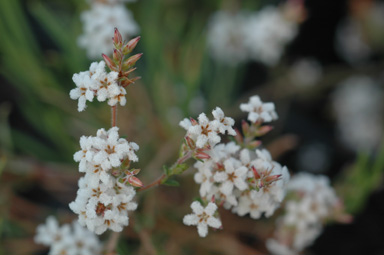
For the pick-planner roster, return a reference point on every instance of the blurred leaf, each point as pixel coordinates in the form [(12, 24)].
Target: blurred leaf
[(171, 182)]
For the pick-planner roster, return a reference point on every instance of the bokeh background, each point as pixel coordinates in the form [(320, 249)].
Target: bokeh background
[(327, 85)]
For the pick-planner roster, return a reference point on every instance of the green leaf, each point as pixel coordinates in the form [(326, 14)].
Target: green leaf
[(166, 170), (179, 169), (171, 182)]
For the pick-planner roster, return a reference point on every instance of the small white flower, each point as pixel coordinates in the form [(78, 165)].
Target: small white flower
[(233, 175), (204, 132), (259, 111), (202, 218), (204, 178), (99, 21), (223, 123)]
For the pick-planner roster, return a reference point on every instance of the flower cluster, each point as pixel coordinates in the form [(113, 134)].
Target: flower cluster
[(245, 180), (205, 132), (99, 21), (261, 36), (313, 202), (105, 193), (358, 107), (67, 239), (97, 83)]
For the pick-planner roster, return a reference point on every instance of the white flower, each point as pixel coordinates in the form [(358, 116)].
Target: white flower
[(223, 123), (267, 33), (204, 132), (259, 111), (234, 175), (67, 239), (97, 82), (51, 232), (305, 72), (99, 21), (204, 178), (225, 37), (202, 218)]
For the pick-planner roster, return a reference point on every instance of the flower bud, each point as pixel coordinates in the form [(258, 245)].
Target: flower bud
[(255, 173), (263, 130), (117, 39), (117, 55), (131, 61), (111, 65), (135, 182), (191, 144), (130, 45), (202, 155), (245, 127)]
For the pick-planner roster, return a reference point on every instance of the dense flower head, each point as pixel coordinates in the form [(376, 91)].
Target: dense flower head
[(202, 218), (104, 198), (97, 83), (99, 21), (67, 239), (313, 202), (259, 111), (242, 180), (235, 37), (205, 132)]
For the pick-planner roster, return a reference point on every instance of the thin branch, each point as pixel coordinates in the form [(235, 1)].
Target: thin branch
[(114, 115), (155, 183)]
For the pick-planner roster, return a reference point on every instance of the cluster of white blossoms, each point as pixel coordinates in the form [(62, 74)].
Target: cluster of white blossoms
[(243, 180), (100, 20), (260, 36), (358, 107), (259, 111), (105, 196), (99, 84), (248, 182), (67, 239), (312, 202), (205, 132)]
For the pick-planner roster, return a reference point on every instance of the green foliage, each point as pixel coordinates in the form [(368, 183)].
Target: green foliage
[(359, 181)]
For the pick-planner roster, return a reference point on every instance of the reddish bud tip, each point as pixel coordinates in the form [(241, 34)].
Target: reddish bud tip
[(111, 65), (213, 199), (117, 38), (193, 121), (131, 45), (202, 155), (255, 173), (134, 181)]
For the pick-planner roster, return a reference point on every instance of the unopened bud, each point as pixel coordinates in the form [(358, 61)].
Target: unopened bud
[(135, 171), (255, 173), (193, 121), (131, 61), (117, 39), (202, 155), (254, 144), (213, 199), (134, 181), (272, 178), (245, 127), (111, 65), (263, 130), (191, 144), (117, 55), (130, 45), (238, 137)]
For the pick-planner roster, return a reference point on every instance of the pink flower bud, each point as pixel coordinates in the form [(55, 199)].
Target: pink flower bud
[(131, 61), (245, 127), (202, 155), (134, 181), (191, 144), (263, 130), (130, 45), (272, 178), (193, 121), (117, 55), (117, 39), (255, 173), (109, 62)]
